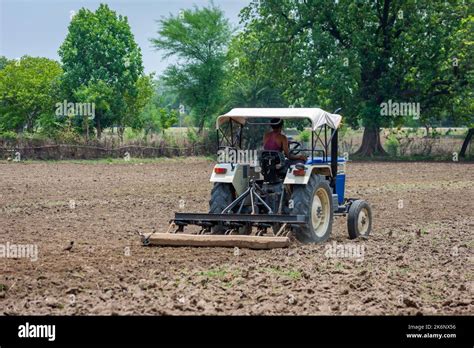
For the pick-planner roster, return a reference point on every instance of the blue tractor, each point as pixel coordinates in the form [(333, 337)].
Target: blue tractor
[(259, 202)]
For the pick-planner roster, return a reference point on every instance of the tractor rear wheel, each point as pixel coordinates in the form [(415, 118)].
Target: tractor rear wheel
[(314, 200), (221, 196), (359, 219)]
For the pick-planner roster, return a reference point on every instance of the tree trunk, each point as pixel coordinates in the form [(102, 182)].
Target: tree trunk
[(427, 127), (202, 121), (201, 126), (466, 142), (29, 123), (371, 144), (85, 123), (120, 131), (99, 129)]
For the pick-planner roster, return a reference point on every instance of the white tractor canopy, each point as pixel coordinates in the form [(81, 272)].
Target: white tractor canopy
[(318, 117)]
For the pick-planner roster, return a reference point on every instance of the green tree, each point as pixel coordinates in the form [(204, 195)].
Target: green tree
[(154, 118), (198, 38), (102, 95), (149, 119), (3, 62), (100, 53), (463, 68), (442, 78), (356, 54), (253, 93), (136, 103), (160, 113), (246, 85), (167, 118), (28, 90)]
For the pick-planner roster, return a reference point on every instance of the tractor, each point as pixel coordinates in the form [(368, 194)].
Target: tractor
[(261, 201)]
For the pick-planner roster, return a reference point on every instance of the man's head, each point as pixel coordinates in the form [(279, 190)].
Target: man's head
[(276, 123)]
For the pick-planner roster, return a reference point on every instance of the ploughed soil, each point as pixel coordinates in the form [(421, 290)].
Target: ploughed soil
[(418, 259)]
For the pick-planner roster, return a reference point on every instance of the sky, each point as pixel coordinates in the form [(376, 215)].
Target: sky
[(38, 27)]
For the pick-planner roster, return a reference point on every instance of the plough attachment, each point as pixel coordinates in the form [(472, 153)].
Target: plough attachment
[(203, 240), (232, 222)]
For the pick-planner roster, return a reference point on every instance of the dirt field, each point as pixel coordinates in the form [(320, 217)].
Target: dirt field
[(418, 259)]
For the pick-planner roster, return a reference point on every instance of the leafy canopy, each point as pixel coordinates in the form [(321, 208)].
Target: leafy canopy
[(198, 38), (358, 54), (102, 63), (28, 90)]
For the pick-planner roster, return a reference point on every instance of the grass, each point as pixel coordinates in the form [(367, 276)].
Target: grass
[(429, 227), (350, 134), (52, 204), (403, 270), (115, 161), (293, 274), (219, 273), (214, 273), (411, 158), (227, 276), (213, 158)]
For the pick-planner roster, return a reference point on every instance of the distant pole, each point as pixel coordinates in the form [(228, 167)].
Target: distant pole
[(182, 111)]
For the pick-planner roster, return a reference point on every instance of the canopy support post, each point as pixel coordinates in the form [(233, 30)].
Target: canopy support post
[(334, 158)]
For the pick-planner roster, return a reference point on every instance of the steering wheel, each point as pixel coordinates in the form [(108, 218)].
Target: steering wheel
[(294, 147)]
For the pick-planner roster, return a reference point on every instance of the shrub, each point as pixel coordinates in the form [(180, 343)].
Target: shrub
[(8, 136), (392, 145), (68, 136), (304, 136), (132, 134), (192, 135)]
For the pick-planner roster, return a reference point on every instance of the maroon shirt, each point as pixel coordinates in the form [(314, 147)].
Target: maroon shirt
[(272, 143)]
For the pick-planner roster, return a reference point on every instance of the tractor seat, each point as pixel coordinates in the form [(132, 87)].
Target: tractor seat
[(274, 166)]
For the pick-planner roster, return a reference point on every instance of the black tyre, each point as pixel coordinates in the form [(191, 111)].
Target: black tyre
[(315, 200), (222, 195), (359, 219)]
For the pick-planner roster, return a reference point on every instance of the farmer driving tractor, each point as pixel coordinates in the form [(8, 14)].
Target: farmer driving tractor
[(275, 140)]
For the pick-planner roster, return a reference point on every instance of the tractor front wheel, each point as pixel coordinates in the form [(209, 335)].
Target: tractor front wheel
[(359, 219), (314, 200)]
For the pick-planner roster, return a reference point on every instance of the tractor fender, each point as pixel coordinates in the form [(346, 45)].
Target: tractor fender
[(321, 169), (236, 174)]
